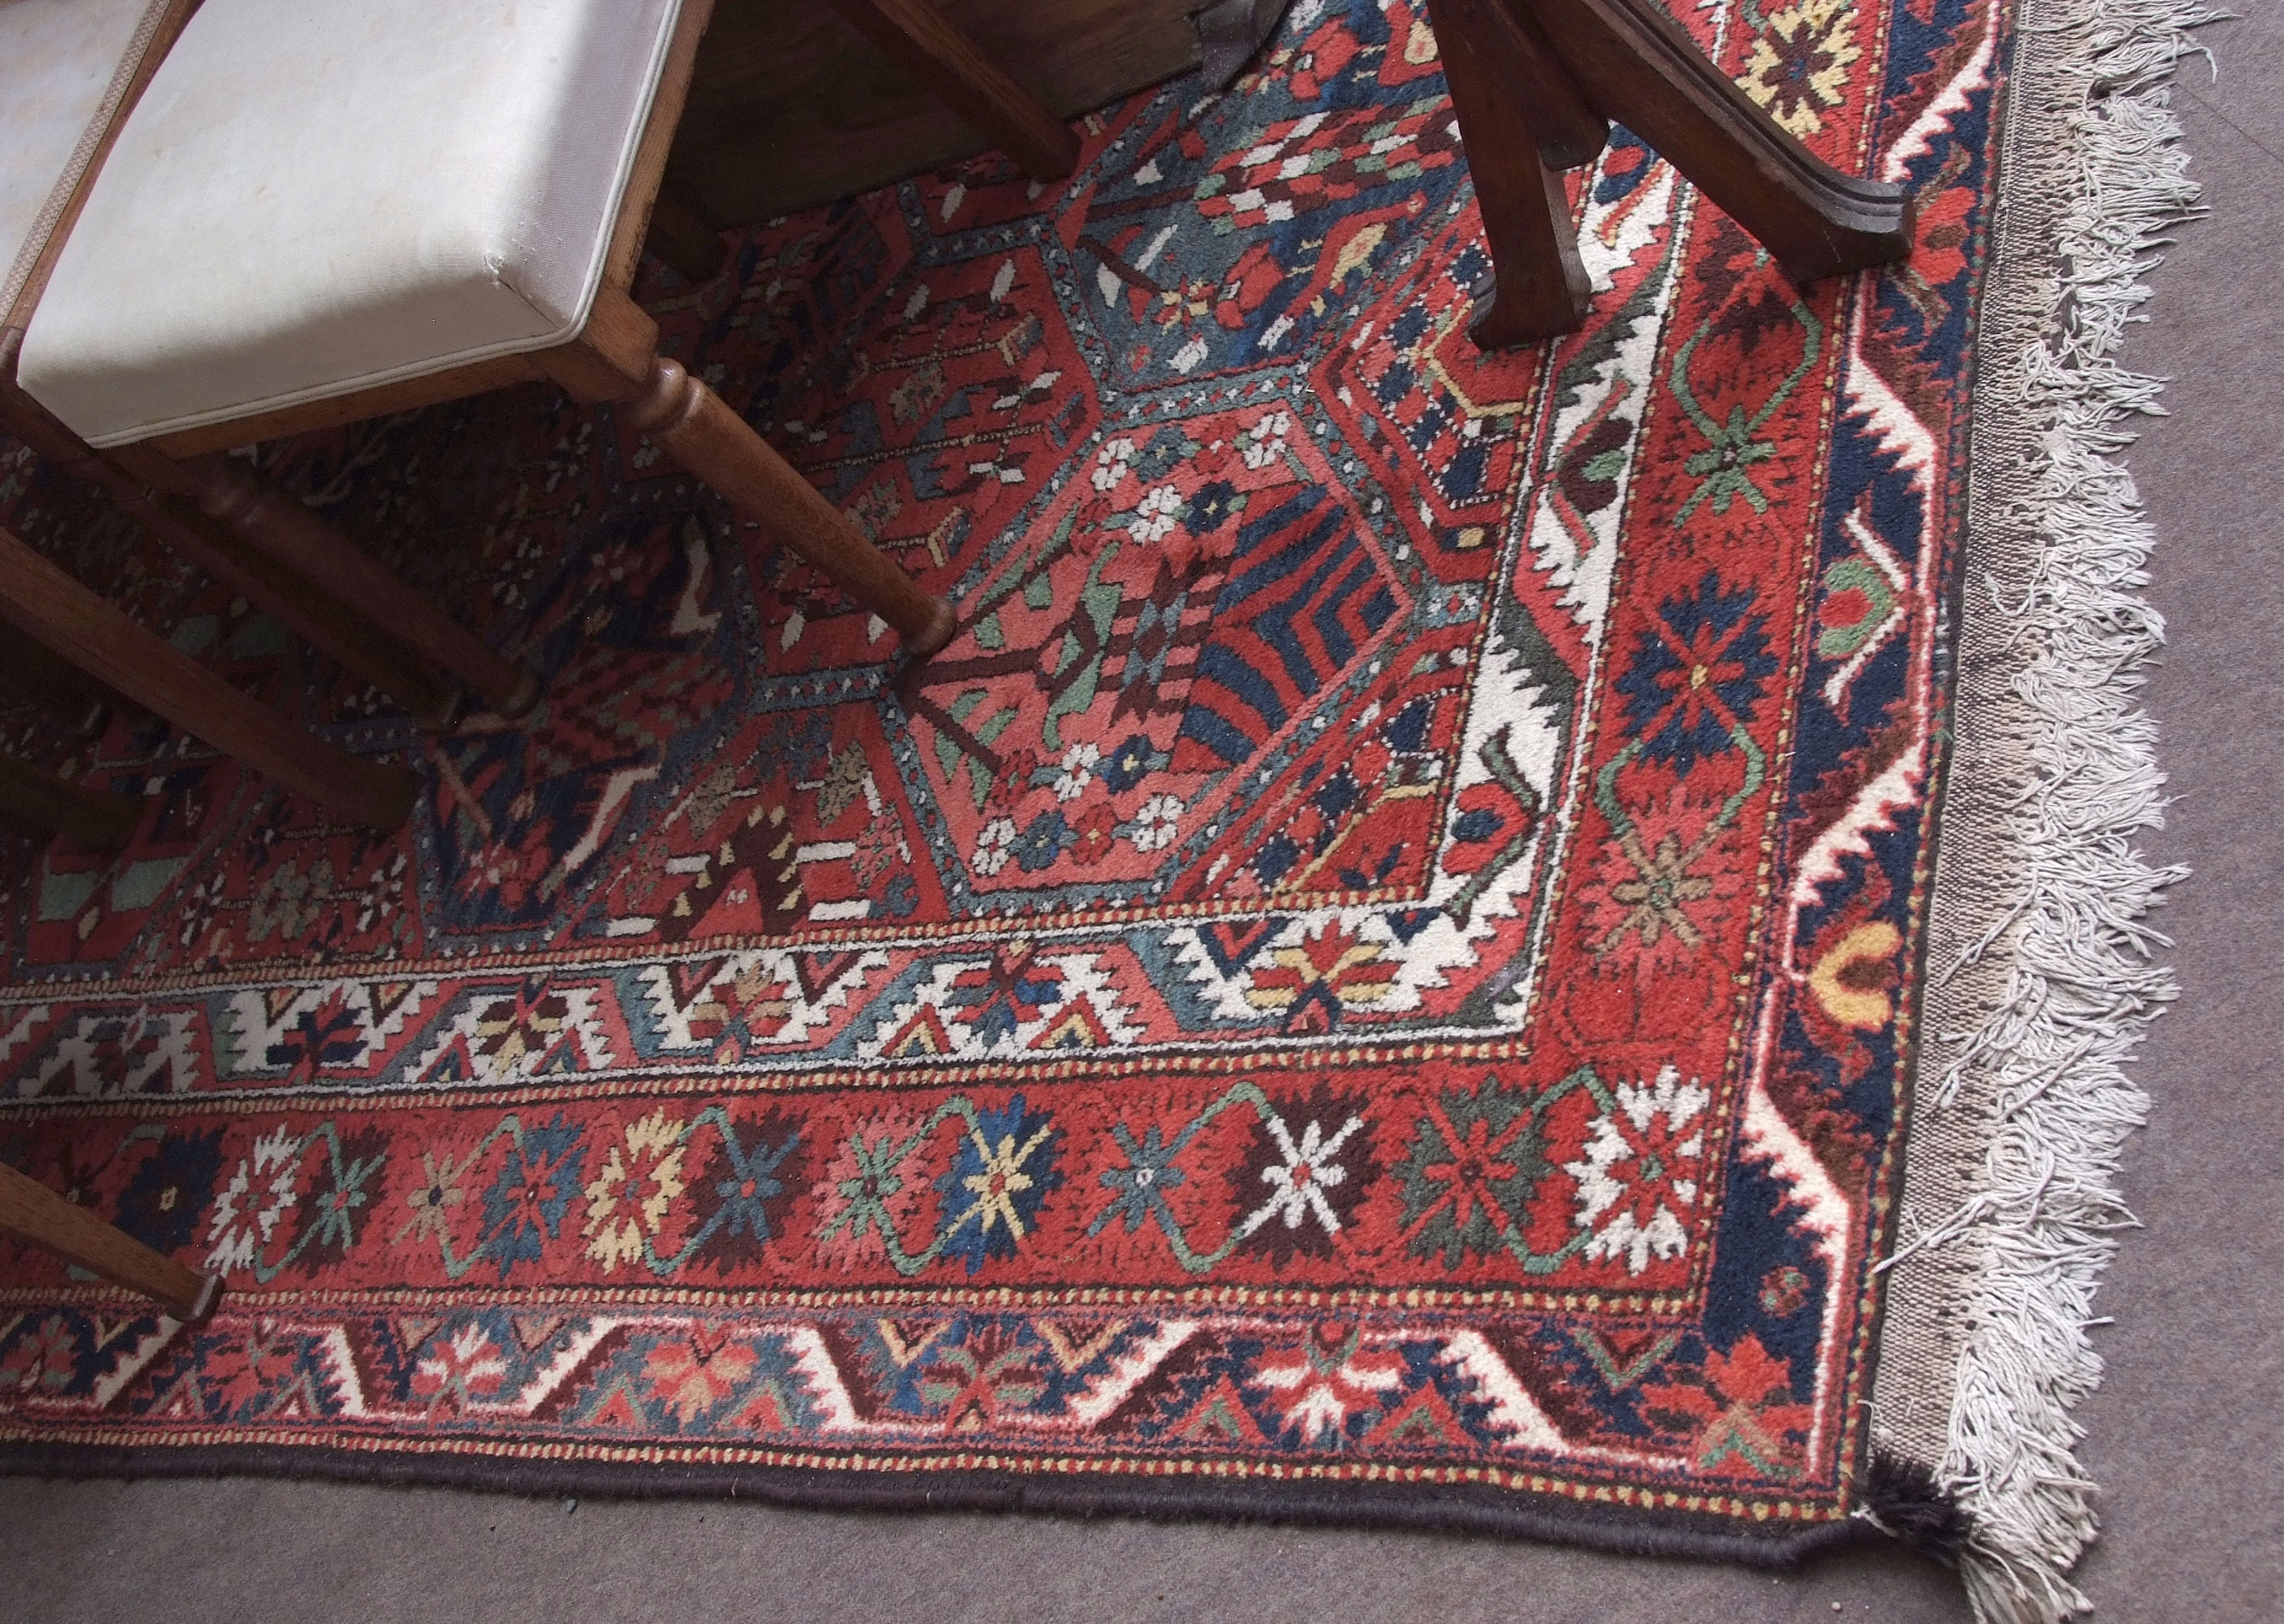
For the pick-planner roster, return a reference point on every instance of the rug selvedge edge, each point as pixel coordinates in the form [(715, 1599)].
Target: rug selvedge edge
[(1086, 1491)]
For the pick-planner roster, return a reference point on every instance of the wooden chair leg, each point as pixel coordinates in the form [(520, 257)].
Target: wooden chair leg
[(320, 618), (1515, 62), (42, 806), (615, 358), (916, 37), (42, 602), (1631, 62), (1538, 287), (692, 424), (32, 1212), (287, 532)]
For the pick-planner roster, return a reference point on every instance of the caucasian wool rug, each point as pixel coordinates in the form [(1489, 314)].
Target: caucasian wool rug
[(1399, 967)]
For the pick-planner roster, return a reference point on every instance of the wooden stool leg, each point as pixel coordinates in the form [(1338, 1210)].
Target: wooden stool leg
[(32, 1212), (293, 536), (42, 806), (1634, 64), (1538, 287), (41, 602), (698, 431), (915, 35)]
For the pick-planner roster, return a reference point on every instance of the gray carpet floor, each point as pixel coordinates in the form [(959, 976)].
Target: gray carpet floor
[(2184, 1438)]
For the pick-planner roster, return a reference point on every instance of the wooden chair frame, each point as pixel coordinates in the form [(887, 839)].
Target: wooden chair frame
[(48, 606), (1535, 84), (613, 359)]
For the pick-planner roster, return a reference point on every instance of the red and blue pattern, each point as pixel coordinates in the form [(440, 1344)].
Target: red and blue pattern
[(1379, 954)]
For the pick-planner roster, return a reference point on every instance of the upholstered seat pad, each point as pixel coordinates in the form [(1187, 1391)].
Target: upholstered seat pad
[(63, 66), (313, 198)]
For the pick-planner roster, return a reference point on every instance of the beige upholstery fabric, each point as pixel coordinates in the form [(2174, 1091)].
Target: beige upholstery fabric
[(316, 196), (63, 65)]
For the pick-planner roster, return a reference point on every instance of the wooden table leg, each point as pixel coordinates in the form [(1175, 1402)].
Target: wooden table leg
[(917, 37), (1631, 62), (32, 1212), (43, 806), (1538, 286), (42, 602)]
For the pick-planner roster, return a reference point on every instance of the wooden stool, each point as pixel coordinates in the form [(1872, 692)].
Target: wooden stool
[(319, 214), (1536, 83), (70, 71)]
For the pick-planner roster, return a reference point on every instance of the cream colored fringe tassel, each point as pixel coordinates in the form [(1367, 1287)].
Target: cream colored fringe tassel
[(2091, 125)]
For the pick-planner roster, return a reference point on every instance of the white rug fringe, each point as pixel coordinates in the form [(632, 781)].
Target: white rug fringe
[(2082, 989)]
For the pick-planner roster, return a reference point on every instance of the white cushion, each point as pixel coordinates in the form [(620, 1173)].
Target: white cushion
[(317, 196), (63, 66)]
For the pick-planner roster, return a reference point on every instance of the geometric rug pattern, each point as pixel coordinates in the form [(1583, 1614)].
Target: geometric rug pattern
[(1379, 962)]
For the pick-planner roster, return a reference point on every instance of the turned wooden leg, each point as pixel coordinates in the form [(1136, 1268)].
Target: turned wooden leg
[(615, 358), (286, 531), (41, 602), (915, 35), (692, 424), (42, 806), (32, 1212), (1538, 287), (1631, 62)]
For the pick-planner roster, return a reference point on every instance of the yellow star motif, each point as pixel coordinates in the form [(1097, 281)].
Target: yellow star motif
[(1002, 1178)]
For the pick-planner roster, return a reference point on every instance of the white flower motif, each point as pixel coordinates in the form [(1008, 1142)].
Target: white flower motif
[(245, 1217), (1641, 1162), (1077, 773), (1110, 463), (994, 845), (1297, 1188), (1264, 442), (1161, 510), (1157, 823)]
